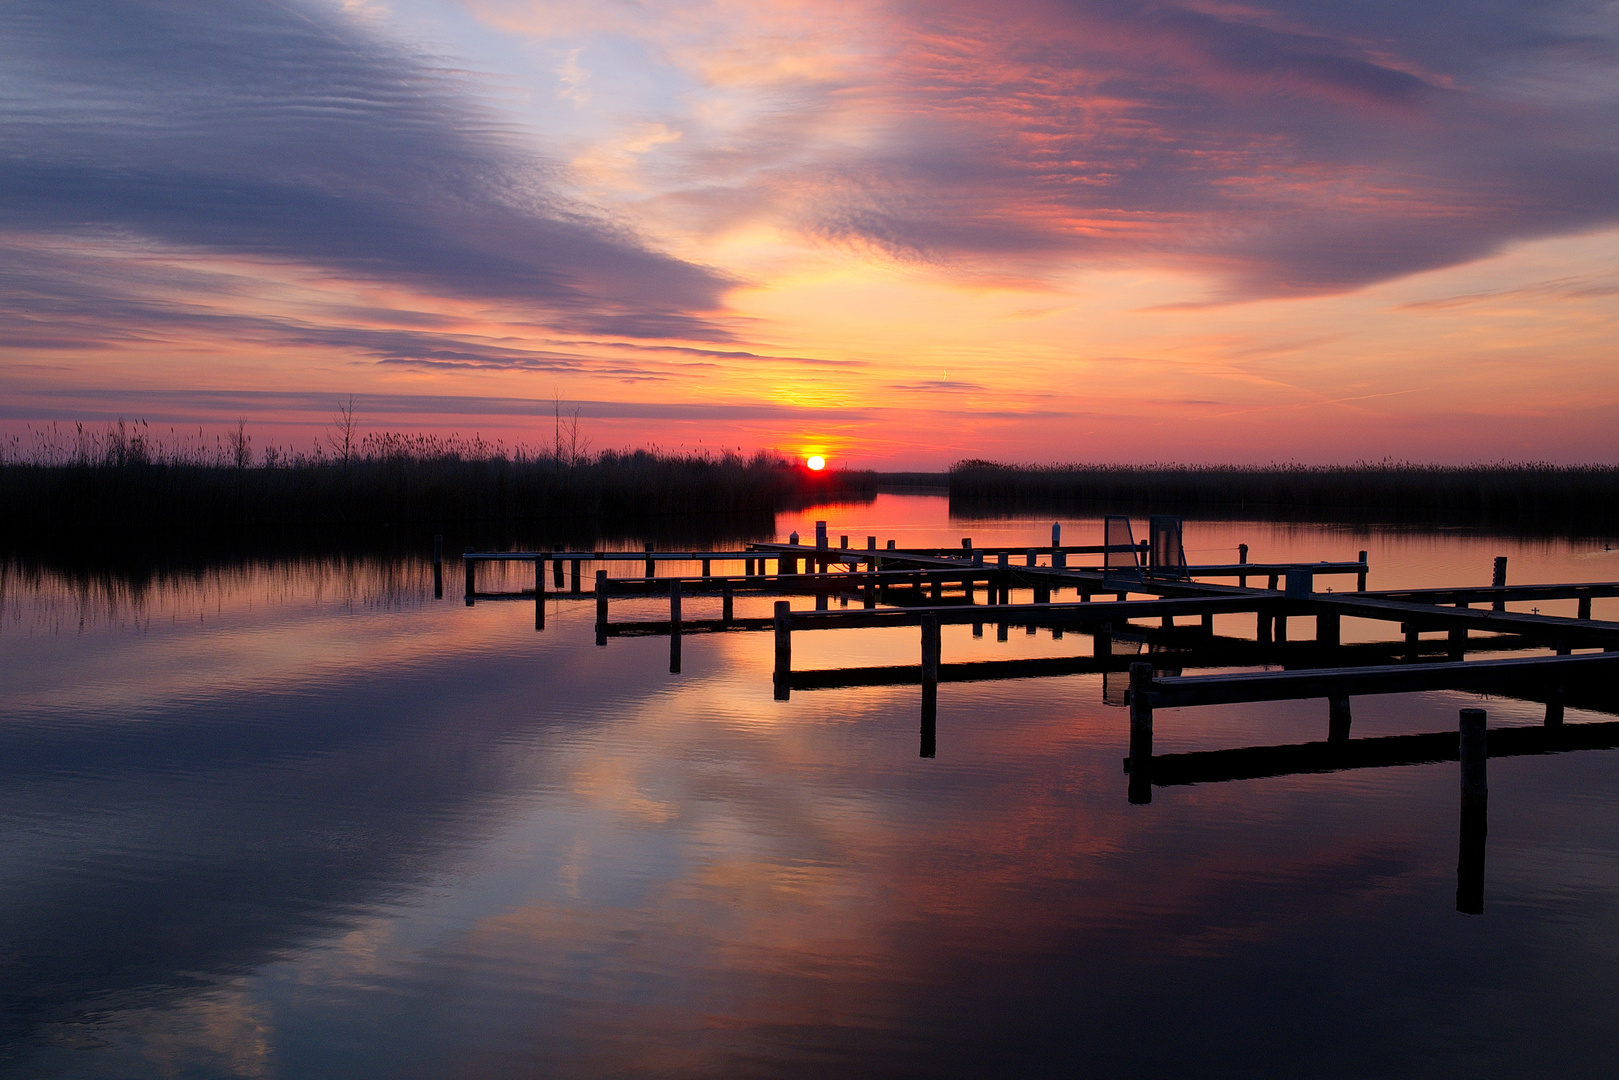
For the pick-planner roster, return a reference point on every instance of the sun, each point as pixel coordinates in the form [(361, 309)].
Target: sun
[(816, 462)]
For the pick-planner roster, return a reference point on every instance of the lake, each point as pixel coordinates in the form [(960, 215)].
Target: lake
[(302, 819)]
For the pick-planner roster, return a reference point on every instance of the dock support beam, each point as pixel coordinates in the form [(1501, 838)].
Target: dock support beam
[(1101, 640), (1499, 579), (727, 604), (1360, 578), (651, 564), (574, 585), (1554, 706), (1585, 606), (1474, 754), (556, 570), (784, 649), (601, 607), (1140, 733)]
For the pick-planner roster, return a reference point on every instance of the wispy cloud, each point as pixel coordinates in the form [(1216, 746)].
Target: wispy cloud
[(286, 132)]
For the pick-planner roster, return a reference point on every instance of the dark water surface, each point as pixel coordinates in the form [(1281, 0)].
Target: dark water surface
[(301, 820)]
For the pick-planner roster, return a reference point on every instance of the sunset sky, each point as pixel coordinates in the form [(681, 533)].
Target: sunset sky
[(900, 233)]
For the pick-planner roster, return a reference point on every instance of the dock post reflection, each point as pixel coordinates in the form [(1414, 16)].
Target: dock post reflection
[(931, 642), (784, 649), (1474, 754), (469, 564), (1140, 733), (601, 607), (674, 627), (1338, 718), (438, 566)]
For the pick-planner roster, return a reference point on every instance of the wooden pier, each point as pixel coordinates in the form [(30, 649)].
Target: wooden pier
[(1150, 620)]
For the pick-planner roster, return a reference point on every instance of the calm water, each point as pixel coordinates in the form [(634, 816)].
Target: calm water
[(304, 821)]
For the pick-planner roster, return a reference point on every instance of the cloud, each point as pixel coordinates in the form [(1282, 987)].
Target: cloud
[(285, 132), (1283, 148)]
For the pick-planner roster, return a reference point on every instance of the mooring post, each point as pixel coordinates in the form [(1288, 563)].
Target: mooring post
[(651, 564), (1338, 718), (1360, 578), (931, 642), (438, 567), (1140, 733), (1457, 638), (1101, 640), (1328, 628), (601, 607), (1474, 754), (539, 593), (726, 604), (469, 563), (674, 626), (1499, 579), (784, 649), (1271, 584), (1242, 557), (573, 577), (1056, 536), (1554, 706)]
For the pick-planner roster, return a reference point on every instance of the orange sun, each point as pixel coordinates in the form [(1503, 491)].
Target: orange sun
[(816, 462)]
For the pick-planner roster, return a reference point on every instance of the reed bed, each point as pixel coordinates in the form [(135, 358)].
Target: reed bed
[(1532, 497), (123, 482)]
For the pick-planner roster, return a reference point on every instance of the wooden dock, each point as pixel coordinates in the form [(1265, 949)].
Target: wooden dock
[(1150, 620)]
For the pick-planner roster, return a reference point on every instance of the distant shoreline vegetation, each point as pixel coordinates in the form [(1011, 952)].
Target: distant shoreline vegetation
[(122, 481), (1532, 497)]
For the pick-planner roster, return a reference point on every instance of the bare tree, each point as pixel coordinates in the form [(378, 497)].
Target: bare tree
[(341, 432)]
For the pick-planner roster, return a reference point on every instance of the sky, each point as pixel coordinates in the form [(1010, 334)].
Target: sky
[(897, 233)]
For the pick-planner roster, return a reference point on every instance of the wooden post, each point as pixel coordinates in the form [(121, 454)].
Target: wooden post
[(1029, 558), (573, 577), (1360, 578), (931, 644), (651, 564), (1272, 583), (539, 592), (1140, 733), (1281, 628), (469, 564), (1101, 640), (1056, 536), (1554, 706), (1413, 640), (1242, 557), (1208, 623), (1328, 628), (1499, 579), (1338, 718), (784, 649), (556, 569), (747, 567), (601, 607), (674, 626), (706, 568), (1474, 754), (438, 567), (1262, 634), (726, 605), (1458, 642), (1585, 606)]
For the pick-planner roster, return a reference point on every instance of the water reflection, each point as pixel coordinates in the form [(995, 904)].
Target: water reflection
[(299, 820)]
